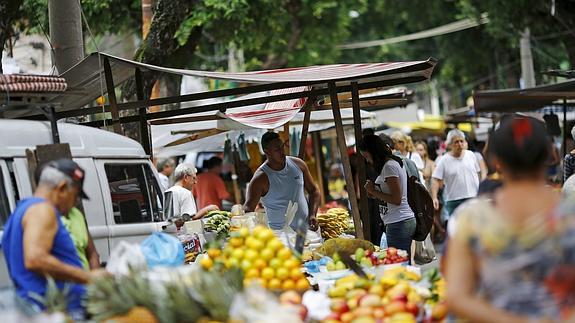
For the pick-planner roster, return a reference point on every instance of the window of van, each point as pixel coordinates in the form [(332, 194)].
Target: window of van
[(136, 197), (4, 203)]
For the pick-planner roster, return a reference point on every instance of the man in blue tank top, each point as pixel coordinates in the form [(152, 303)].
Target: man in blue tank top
[(36, 244), (278, 181)]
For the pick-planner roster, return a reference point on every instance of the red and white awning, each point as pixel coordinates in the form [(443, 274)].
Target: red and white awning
[(274, 114)]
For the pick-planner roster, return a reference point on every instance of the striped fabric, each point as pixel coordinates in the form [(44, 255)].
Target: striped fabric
[(32, 83), (274, 114)]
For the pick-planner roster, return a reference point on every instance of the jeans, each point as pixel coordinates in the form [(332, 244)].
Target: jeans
[(400, 234), (450, 206)]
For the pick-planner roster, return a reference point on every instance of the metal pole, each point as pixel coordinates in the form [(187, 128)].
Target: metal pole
[(345, 160), (53, 125), (360, 169)]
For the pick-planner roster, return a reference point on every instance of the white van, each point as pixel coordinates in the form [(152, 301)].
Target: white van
[(121, 182)]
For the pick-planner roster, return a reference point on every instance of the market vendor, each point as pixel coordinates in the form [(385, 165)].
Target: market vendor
[(36, 243), (184, 203), (278, 181)]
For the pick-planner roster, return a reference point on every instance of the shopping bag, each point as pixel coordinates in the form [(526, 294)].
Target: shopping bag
[(163, 250), (125, 257), (424, 251)]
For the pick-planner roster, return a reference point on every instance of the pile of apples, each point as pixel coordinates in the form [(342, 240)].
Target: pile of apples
[(387, 256), (394, 298)]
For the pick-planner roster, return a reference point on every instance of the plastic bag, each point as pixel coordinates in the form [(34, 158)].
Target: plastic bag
[(161, 249), (383, 241), (125, 256), (424, 251), (256, 304)]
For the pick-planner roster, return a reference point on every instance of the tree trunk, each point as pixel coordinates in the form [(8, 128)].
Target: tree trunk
[(160, 45), (9, 12), (65, 18)]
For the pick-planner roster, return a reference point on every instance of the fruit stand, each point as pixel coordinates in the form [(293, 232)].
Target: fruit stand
[(249, 274)]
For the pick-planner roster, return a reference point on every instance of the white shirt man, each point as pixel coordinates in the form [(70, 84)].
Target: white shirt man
[(182, 198), (458, 171)]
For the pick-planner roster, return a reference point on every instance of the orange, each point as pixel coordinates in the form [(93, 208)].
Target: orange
[(302, 284), (265, 235), (274, 244), (291, 264), (267, 273), (236, 242), (288, 284), (284, 253), (252, 273), (282, 273), (274, 283), (206, 262), (260, 264), (275, 263), (295, 274), (266, 254), (214, 253)]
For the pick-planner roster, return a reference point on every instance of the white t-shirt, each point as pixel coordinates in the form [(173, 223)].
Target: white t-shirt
[(459, 175), (391, 213), (164, 180), (418, 161), (183, 201)]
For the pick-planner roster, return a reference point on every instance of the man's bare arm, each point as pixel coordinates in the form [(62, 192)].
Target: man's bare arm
[(40, 226), (312, 191), (256, 189)]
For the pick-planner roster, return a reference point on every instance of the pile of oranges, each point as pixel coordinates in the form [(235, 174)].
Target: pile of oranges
[(262, 257)]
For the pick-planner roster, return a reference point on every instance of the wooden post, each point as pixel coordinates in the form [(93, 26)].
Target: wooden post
[(319, 165), (565, 126), (304, 131), (345, 160), (144, 133), (112, 96), (360, 169)]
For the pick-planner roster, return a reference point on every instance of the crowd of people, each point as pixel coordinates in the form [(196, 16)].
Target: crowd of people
[(509, 252)]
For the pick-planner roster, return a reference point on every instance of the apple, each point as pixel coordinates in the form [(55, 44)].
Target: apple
[(339, 306), (364, 319), (290, 297), (358, 292), (330, 320), (395, 307), (302, 311), (378, 313), (400, 297), (439, 311), (370, 300), (391, 252), (368, 252), (353, 302), (412, 308), (363, 311), (332, 317), (347, 317), (377, 290)]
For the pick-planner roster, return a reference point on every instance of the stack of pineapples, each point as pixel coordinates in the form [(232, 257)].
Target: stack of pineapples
[(199, 296)]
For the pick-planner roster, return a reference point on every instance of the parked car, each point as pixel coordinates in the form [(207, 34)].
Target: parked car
[(123, 186)]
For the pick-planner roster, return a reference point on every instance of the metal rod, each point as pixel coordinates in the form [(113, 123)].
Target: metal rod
[(318, 156), (345, 160), (361, 163), (53, 124)]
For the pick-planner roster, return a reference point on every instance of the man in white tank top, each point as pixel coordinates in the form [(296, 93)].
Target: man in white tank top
[(278, 181)]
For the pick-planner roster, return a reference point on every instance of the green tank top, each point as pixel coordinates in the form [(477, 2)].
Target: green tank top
[(76, 226)]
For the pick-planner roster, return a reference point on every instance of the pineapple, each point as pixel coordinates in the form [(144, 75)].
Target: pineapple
[(54, 300)]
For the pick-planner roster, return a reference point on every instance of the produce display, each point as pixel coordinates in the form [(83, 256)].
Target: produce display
[(219, 223), (342, 245), (368, 258), (262, 257), (398, 296), (192, 297), (333, 223)]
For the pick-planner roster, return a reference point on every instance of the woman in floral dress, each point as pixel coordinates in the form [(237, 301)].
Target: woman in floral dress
[(512, 257)]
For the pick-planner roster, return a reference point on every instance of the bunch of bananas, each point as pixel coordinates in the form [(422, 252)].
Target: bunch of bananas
[(333, 223)]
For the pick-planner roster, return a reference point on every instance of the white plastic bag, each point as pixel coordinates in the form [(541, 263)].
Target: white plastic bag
[(424, 251), (125, 256)]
